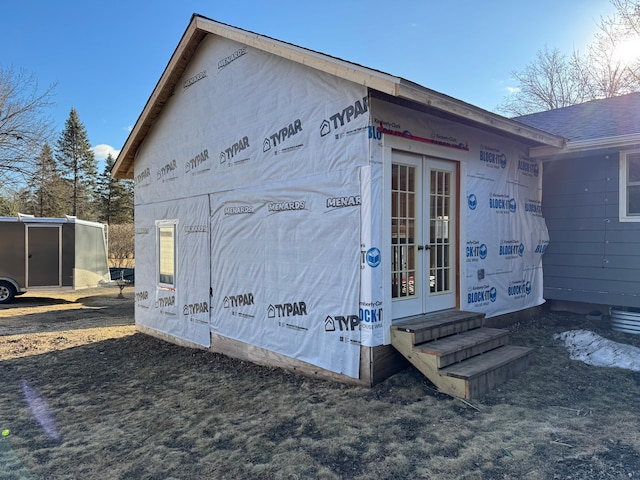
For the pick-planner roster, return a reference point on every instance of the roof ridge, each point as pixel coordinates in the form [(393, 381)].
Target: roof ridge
[(578, 105)]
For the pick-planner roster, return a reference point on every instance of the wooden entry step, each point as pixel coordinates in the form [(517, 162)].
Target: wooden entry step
[(460, 356), (456, 348)]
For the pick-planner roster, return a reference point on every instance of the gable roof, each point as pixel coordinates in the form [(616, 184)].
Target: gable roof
[(607, 123), (608, 117), (441, 104)]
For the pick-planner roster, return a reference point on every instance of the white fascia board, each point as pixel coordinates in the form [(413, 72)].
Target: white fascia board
[(349, 71), (476, 114), (125, 159), (607, 142), (577, 146)]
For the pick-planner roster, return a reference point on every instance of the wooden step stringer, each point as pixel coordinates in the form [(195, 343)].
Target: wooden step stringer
[(457, 354)]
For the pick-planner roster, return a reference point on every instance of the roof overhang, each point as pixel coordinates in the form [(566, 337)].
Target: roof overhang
[(123, 167), (473, 115), (577, 147), (200, 27)]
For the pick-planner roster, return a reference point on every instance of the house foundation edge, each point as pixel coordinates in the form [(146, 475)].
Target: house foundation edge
[(376, 363)]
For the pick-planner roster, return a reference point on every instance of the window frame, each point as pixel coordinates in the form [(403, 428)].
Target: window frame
[(623, 206), (162, 225)]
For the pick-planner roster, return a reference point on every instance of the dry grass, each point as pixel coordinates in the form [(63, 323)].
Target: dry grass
[(110, 403)]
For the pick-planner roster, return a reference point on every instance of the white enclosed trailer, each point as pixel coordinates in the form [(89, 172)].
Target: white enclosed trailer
[(38, 253)]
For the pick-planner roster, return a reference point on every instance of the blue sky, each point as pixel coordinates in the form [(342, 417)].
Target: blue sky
[(107, 56)]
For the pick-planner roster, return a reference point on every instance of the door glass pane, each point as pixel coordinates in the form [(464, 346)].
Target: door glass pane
[(394, 177), (411, 180), (411, 205), (403, 221), (440, 274), (395, 201)]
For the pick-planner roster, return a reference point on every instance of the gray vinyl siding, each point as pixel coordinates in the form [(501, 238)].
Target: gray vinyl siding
[(591, 257)]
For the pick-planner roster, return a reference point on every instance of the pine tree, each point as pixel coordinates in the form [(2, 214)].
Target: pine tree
[(78, 164), (115, 197), (9, 205), (47, 189)]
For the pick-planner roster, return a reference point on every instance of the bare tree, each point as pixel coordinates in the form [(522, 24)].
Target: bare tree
[(623, 29), (121, 245), (552, 80), (611, 72), (628, 15), (24, 128), (555, 80)]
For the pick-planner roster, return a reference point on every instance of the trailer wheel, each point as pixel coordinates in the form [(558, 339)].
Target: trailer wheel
[(7, 292)]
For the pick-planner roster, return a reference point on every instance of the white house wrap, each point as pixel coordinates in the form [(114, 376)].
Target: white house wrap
[(503, 263), (181, 310), (501, 215), (294, 204), (277, 288)]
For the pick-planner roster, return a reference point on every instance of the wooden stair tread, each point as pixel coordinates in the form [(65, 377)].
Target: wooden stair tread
[(457, 353), (426, 322), (459, 341), (486, 362)]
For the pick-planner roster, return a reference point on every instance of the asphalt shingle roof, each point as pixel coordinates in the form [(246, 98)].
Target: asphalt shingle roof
[(609, 117)]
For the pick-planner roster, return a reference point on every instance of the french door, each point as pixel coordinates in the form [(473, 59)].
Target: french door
[(423, 234)]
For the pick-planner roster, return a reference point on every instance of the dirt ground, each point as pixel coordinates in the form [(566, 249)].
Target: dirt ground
[(86, 397)]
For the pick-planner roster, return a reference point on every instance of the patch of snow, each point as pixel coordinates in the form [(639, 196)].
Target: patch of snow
[(593, 349)]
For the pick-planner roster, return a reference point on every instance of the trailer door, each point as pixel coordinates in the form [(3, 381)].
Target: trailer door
[(44, 255)]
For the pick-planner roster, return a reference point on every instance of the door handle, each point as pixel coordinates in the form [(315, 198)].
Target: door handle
[(425, 247)]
